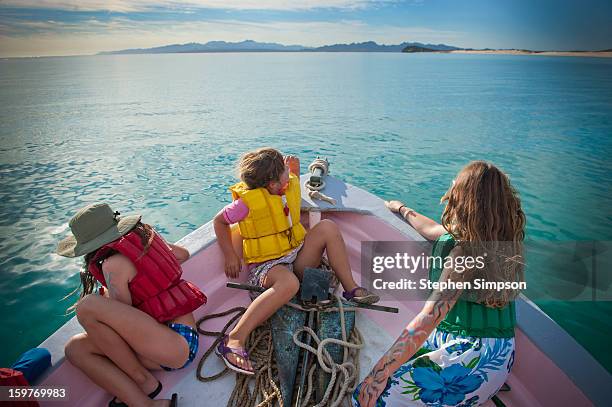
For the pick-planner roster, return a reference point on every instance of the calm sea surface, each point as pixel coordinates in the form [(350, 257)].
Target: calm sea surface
[(160, 134)]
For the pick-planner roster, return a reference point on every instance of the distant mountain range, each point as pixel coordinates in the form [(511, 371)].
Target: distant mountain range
[(371, 46), (254, 46)]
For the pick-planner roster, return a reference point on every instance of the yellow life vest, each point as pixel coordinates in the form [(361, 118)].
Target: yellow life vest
[(267, 233)]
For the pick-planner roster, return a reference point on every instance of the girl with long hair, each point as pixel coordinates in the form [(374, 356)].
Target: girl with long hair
[(458, 351)]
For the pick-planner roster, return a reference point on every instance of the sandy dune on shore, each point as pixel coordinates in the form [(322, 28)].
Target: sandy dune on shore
[(600, 54)]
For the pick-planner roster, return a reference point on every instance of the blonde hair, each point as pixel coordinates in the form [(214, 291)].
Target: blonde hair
[(483, 213), (260, 167)]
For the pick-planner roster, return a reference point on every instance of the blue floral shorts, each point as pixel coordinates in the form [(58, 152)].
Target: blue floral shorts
[(449, 370), (192, 338)]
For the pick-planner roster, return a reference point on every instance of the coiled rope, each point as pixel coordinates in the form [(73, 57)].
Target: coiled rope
[(337, 390), (266, 391), (324, 166), (260, 349)]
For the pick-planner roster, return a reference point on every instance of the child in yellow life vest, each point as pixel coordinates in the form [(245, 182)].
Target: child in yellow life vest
[(275, 245)]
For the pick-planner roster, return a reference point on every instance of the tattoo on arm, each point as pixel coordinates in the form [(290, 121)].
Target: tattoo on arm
[(117, 271), (411, 339), (112, 290)]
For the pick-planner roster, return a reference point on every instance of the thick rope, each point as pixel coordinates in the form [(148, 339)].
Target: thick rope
[(260, 350), (337, 390), (219, 337), (324, 166), (265, 391)]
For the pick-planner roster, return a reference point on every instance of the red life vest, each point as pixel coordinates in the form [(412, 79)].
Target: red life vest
[(157, 288)]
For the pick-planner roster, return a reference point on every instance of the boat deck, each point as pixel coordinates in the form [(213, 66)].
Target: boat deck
[(535, 379)]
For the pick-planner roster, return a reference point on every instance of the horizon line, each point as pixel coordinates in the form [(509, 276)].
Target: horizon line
[(305, 49)]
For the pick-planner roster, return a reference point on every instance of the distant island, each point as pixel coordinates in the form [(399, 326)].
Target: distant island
[(367, 46), (416, 48), (254, 46)]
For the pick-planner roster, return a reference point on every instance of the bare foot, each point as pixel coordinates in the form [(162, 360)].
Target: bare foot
[(160, 403), (236, 359), (148, 387), (363, 296)]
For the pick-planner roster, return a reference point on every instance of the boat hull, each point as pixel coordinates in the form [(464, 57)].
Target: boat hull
[(536, 378)]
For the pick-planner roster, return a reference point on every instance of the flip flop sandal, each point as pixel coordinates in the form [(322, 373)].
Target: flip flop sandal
[(152, 395), (222, 350), (368, 298)]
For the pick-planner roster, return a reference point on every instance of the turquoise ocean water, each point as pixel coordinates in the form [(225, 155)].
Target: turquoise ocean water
[(159, 135)]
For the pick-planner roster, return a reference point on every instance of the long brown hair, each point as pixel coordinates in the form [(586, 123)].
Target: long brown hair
[(88, 281), (258, 168), (483, 213)]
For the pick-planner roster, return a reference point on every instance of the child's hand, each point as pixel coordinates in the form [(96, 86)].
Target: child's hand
[(293, 163), (232, 265)]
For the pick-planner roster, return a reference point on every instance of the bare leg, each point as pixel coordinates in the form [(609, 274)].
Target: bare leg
[(125, 338), (281, 286), (122, 330), (325, 235), (85, 355), (129, 362)]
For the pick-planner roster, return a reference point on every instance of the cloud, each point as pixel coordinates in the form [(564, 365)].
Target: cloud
[(92, 36), (91, 26), (17, 28), (124, 6)]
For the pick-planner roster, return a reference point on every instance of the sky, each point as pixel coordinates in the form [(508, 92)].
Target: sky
[(81, 27)]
